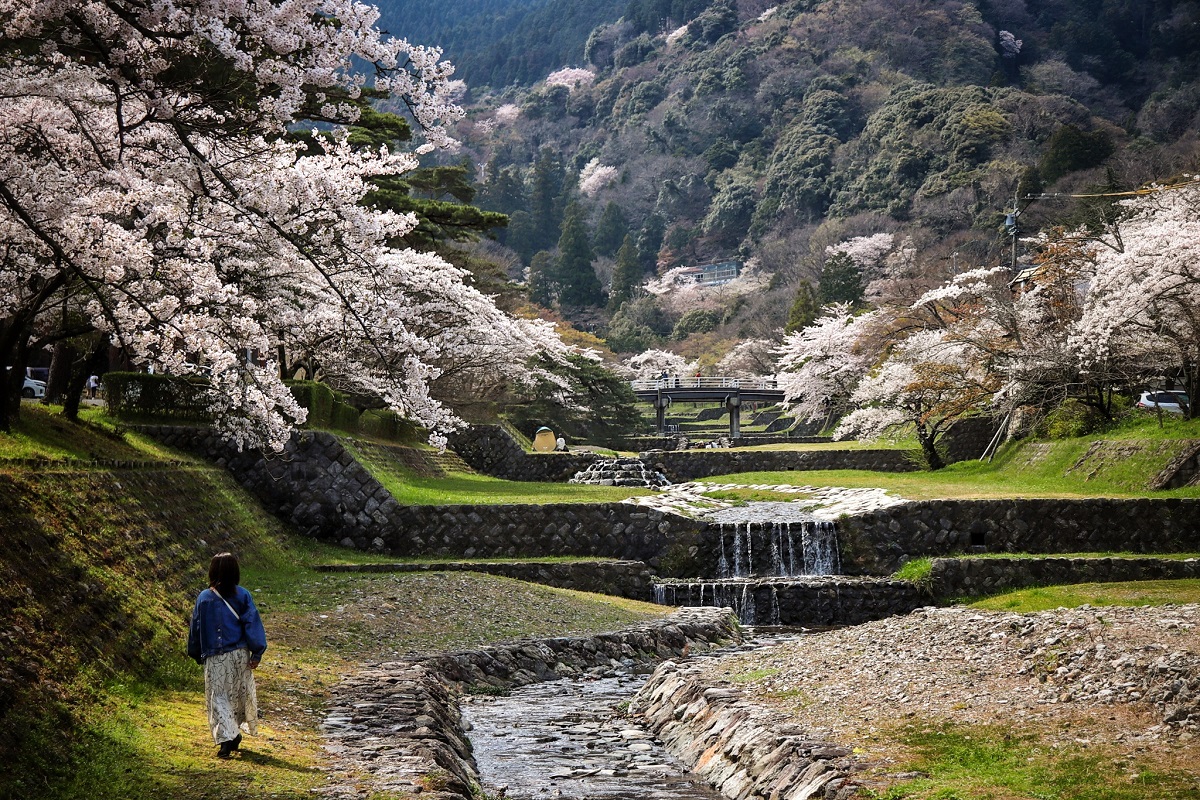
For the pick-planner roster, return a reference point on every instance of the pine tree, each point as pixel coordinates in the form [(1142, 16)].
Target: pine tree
[(541, 279), (650, 240), (841, 280), (503, 189), (610, 230), (804, 308), (578, 284), (627, 274), (545, 190)]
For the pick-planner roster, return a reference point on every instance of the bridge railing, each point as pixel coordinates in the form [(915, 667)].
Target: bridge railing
[(703, 382)]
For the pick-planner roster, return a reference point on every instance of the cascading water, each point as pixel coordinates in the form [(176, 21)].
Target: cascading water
[(786, 549), (749, 554)]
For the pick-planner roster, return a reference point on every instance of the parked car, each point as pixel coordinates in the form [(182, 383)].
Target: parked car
[(1171, 402), (33, 389)]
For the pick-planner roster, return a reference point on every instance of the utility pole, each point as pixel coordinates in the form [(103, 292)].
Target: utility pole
[(1010, 225)]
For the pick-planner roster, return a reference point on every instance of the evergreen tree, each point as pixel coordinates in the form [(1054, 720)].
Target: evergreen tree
[(804, 308), (521, 235), (841, 281), (503, 190), (610, 230), (650, 240), (577, 281), (541, 279), (627, 274), (545, 191), (443, 211)]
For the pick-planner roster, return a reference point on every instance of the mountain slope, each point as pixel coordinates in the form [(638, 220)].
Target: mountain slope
[(776, 132)]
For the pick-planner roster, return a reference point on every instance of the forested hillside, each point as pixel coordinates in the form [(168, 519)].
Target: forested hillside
[(500, 42), (774, 134)]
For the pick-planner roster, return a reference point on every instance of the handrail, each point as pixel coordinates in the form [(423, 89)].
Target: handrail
[(704, 382)]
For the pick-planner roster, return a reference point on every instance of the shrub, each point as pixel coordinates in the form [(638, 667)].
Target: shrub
[(698, 320), (140, 394), (317, 398), (1072, 419), (345, 417)]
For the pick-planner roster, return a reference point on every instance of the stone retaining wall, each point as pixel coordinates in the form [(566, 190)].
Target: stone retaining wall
[(952, 578), (492, 450), (812, 601), (687, 465), (318, 487), (879, 542), (630, 579), (744, 750), (398, 723)]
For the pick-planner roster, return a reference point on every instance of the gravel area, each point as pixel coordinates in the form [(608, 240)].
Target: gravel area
[(1125, 678)]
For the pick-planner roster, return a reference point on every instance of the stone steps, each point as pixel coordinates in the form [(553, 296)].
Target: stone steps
[(620, 472)]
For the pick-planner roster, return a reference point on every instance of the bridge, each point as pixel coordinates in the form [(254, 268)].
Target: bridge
[(661, 392)]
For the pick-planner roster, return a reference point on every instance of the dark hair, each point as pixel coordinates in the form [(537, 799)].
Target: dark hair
[(224, 574)]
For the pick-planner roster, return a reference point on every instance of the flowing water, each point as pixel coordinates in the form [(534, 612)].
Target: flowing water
[(778, 549), (567, 739)]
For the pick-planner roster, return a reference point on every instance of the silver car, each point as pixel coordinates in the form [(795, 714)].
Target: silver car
[(1171, 402)]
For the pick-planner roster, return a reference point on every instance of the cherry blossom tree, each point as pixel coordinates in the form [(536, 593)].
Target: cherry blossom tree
[(927, 383), (148, 180), (821, 365), (750, 358), (1144, 303), (653, 363)]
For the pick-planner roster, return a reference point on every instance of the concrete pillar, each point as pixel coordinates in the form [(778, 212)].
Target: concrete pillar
[(734, 403), (661, 402)]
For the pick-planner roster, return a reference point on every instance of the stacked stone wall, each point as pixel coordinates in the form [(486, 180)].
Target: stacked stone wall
[(952, 578), (316, 486), (879, 542), (742, 749), (492, 450), (813, 601)]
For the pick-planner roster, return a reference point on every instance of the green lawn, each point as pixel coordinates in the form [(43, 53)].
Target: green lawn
[(1024, 469), (1133, 593), (456, 488)]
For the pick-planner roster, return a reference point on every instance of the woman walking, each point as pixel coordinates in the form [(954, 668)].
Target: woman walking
[(227, 637)]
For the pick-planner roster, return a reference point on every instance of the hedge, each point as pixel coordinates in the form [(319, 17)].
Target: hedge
[(317, 398), (141, 394)]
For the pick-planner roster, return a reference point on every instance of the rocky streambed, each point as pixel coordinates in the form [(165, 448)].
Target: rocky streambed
[(826, 714), (815, 716)]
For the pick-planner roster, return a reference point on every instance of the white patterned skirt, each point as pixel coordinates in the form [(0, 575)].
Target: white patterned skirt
[(229, 695)]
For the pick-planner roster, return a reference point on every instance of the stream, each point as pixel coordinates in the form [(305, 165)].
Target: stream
[(569, 739)]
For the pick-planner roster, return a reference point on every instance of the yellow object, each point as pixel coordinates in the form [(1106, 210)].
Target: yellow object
[(545, 441)]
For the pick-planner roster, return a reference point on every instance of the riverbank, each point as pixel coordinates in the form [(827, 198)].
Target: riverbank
[(962, 702)]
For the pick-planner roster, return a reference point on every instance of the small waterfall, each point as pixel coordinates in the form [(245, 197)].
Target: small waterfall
[(820, 548), (774, 618), (738, 538), (747, 613), (723, 564), (749, 553), (788, 549), (776, 549)]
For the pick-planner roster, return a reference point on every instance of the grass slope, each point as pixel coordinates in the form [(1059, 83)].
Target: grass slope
[(1120, 466), (409, 488), (98, 571)]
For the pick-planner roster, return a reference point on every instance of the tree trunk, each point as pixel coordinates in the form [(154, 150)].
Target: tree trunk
[(74, 393), (60, 371), (932, 458)]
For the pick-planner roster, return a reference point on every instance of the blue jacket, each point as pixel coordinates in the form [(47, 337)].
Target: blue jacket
[(214, 630)]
